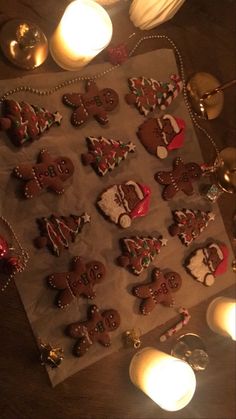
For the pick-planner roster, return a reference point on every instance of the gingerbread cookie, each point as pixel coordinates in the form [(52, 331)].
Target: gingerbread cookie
[(160, 135), (148, 94), (25, 123), (189, 224), (205, 263), (95, 329), (93, 103), (48, 173), (159, 290), (105, 154), (179, 179), (139, 252), (57, 232), (123, 202), (77, 282)]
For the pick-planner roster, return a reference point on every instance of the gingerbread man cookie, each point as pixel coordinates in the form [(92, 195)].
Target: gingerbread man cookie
[(159, 290), (207, 262), (48, 173), (77, 282), (93, 103), (95, 329), (58, 231), (25, 123), (179, 179), (161, 135)]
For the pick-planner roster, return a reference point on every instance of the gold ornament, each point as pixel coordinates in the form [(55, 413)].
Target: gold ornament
[(49, 355), (23, 43), (132, 338)]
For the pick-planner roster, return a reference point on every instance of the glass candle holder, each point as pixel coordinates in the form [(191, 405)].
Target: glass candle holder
[(168, 381), (85, 30), (221, 316)]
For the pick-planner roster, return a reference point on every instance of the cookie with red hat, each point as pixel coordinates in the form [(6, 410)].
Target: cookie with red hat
[(125, 201), (161, 135), (208, 262)]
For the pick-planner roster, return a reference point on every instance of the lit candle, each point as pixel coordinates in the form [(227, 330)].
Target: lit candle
[(168, 381), (221, 316), (85, 30)]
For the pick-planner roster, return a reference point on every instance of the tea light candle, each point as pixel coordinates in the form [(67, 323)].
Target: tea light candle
[(168, 381), (85, 30), (221, 316)]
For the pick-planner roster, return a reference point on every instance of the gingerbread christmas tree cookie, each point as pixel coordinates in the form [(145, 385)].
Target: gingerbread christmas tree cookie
[(147, 94), (189, 224), (105, 154), (139, 252), (58, 231), (25, 123)]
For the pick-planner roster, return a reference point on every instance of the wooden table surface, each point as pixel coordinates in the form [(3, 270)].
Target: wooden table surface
[(205, 34)]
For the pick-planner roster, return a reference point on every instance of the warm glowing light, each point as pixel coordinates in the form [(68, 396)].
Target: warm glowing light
[(84, 30), (168, 381), (221, 316)]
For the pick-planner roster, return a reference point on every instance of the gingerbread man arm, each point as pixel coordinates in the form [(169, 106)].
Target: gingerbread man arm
[(45, 157), (24, 171), (77, 329), (91, 87), (164, 178), (78, 264)]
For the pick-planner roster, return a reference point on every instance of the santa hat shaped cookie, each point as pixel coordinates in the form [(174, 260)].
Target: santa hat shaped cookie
[(161, 135), (205, 263)]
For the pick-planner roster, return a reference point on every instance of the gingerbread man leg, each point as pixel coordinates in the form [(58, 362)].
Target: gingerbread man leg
[(65, 298), (81, 346), (79, 116), (32, 189), (147, 305)]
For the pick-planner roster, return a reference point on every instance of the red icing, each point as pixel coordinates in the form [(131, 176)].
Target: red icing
[(221, 269)]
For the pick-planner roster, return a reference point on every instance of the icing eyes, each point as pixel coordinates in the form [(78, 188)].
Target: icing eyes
[(111, 316), (63, 162), (99, 276), (95, 267), (113, 324)]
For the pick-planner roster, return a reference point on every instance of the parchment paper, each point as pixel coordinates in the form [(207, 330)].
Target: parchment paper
[(100, 239)]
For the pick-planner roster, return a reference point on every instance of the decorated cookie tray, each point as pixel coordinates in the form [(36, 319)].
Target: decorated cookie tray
[(100, 185)]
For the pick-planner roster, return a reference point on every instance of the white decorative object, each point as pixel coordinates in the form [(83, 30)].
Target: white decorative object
[(168, 381), (146, 14), (221, 316), (107, 2), (84, 30)]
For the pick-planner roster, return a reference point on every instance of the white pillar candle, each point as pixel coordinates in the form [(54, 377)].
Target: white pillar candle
[(168, 381), (221, 316), (85, 30)]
